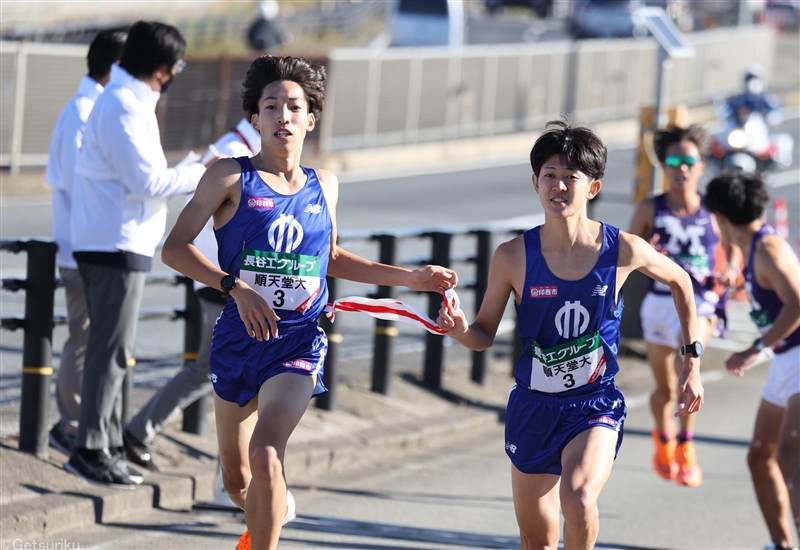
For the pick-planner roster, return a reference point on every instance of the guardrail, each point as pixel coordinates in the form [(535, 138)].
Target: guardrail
[(39, 320)]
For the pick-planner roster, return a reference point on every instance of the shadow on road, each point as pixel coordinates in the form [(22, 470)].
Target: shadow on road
[(697, 438)]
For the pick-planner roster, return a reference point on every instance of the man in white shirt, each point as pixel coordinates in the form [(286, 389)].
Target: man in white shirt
[(104, 51), (192, 381), (119, 210)]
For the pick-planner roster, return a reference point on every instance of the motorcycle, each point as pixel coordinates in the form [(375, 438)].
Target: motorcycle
[(747, 143)]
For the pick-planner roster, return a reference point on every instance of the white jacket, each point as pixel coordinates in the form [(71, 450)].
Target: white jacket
[(122, 182), (60, 171)]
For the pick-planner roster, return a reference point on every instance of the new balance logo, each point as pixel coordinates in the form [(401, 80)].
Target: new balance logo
[(313, 208), (600, 290), (510, 447)]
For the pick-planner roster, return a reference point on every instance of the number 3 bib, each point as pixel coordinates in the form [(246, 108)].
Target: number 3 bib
[(285, 281), (568, 366)]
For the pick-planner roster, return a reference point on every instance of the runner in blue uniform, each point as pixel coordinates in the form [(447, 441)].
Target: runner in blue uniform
[(772, 284), (677, 224), (565, 414), (275, 224)]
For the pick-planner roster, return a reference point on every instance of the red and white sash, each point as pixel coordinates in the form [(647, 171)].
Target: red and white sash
[(392, 310)]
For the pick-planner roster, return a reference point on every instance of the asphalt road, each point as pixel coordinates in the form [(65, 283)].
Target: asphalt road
[(459, 496)]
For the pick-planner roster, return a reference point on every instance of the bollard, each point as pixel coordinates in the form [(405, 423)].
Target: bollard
[(482, 262), (434, 344), (37, 347), (327, 402), (385, 331), (195, 416)]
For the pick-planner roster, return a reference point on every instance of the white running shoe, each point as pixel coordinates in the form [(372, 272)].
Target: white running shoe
[(291, 508)]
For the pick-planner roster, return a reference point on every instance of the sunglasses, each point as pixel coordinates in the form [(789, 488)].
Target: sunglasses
[(179, 66), (677, 161)]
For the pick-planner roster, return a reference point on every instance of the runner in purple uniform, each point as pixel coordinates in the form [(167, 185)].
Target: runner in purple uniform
[(565, 414), (773, 285), (275, 224), (677, 224)]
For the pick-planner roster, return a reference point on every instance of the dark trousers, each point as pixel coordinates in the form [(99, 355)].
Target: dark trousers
[(113, 296)]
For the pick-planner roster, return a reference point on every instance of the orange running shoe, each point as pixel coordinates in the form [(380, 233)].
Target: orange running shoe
[(689, 472), (244, 541), (664, 458)]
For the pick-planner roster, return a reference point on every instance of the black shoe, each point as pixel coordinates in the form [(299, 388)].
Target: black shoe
[(138, 453), (101, 468), (59, 439)]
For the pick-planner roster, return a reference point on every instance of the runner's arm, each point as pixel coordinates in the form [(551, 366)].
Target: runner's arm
[(481, 333), (215, 195), (642, 221), (636, 254), (346, 265)]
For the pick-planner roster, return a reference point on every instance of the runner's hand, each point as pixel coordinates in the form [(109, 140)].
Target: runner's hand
[(258, 317), (737, 362), (433, 278), (452, 320), (690, 388)]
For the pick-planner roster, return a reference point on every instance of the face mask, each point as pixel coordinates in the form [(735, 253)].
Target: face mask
[(167, 85)]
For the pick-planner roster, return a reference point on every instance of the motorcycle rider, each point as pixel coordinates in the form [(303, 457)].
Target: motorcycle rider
[(755, 99), (753, 115)]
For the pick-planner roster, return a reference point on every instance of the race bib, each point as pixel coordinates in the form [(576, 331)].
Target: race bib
[(569, 365), (285, 281)]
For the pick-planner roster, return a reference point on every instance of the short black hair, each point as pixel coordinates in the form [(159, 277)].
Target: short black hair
[(577, 146), (270, 68), (104, 51), (675, 134), (151, 45), (740, 196)]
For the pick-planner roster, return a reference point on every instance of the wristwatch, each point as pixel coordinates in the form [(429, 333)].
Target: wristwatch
[(758, 343), (227, 283), (695, 348)]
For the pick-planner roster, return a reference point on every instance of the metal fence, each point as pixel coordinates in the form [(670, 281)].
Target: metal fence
[(396, 96), (400, 96)]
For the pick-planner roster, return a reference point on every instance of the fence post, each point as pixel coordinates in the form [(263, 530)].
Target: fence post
[(195, 416), (327, 402), (482, 262), (385, 331), (434, 344), (37, 351)]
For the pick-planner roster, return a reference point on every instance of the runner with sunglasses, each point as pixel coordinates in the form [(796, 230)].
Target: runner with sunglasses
[(678, 225)]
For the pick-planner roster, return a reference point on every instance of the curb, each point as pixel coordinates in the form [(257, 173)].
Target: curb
[(52, 512)]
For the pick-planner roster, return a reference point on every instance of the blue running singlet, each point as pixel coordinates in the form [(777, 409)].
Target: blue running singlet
[(569, 329), (280, 246)]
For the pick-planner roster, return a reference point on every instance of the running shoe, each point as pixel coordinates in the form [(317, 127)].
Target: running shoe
[(244, 541), (689, 472), (664, 458), (291, 508)]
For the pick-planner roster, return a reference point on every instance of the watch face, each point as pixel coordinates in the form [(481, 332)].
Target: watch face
[(698, 349), (228, 283)]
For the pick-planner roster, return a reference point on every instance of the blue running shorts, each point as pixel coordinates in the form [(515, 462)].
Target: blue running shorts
[(241, 364), (539, 426)]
